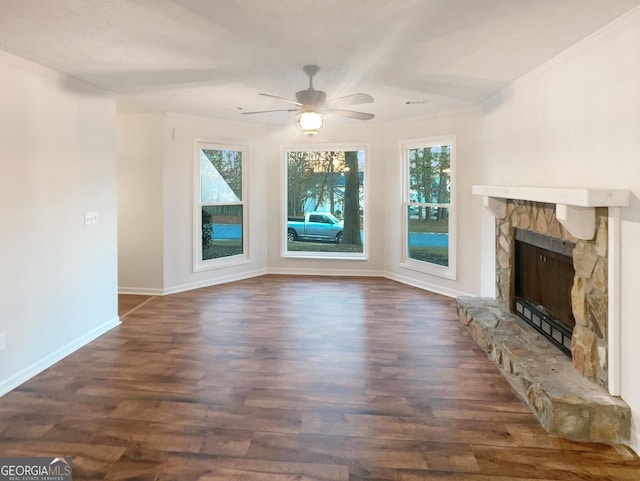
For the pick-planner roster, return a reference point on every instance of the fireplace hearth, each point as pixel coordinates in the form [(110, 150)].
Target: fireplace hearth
[(566, 403)]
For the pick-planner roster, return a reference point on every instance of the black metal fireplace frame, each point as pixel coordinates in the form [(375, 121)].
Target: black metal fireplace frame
[(556, 331), (546, 325)]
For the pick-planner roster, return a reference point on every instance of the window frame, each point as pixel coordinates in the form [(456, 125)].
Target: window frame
[(200, 265), (351, 256), (447, 272)]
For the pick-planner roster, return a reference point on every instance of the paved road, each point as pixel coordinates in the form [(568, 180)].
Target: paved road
[(428, 239), (234, 231)]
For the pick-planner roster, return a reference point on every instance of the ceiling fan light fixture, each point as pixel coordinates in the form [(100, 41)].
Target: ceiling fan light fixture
[(310, 122), (312, 104)]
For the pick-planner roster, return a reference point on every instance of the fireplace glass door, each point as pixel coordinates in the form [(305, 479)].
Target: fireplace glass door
[(544, 275)]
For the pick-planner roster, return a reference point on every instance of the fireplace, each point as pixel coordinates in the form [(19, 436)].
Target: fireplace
[(544, 274), (590, 219), (580, 298), (557, 264)]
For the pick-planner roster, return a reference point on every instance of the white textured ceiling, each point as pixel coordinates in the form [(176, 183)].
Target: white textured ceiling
[(213, 57)]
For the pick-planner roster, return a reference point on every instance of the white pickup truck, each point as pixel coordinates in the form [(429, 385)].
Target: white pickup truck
[(321, 226)]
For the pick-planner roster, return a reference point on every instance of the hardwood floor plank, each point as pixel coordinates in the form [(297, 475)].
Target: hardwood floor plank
[(566, 465), (197, 467), (292, 378), (127, 303)]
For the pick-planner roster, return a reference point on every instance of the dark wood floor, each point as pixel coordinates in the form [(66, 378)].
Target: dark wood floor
[(291, 378), (129, 303)]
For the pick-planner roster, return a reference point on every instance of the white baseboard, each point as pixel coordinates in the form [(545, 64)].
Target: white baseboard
[(427, 286), (48, 361), (296, 271), (213, 282), (140, 291)]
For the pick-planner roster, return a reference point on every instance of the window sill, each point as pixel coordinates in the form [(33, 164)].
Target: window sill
[(221, 263), (431, 269), (329, 256)]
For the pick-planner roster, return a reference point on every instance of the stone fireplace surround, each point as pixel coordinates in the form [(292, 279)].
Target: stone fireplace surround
[(589, 292), (569, 396)]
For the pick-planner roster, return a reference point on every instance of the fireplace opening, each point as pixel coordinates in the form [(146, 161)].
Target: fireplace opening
[(544, 275)]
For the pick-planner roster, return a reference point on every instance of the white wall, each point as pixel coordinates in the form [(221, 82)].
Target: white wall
[(155, 196), (179, 135), (142, 146), (165, 143), (575, 122), (466, 126), (140, 152), (57, 161)]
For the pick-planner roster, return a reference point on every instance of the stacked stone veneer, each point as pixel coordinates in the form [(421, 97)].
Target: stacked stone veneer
[(589, 292), (566, 403)]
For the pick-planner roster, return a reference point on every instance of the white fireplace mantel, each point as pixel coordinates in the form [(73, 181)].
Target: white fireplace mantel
[(575, 207)]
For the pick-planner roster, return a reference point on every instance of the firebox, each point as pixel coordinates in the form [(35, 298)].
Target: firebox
[(544, 275)]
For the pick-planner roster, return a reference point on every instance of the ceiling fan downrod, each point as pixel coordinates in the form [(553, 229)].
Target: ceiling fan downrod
[(311, 71)]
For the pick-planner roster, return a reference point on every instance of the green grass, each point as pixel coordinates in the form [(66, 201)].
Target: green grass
[(222, 248), (436, 227), (434, 255), (227, 248), (303, 246)]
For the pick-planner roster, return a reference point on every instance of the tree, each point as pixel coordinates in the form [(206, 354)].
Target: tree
[(311, 180), (351, 232), (298, 176), (429, 178), (443, 182), (421, 175)]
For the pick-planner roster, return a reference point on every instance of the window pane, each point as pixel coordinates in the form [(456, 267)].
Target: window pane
[(220, 176), (325, 201), (221, 231), (430, 175), (428, 234)]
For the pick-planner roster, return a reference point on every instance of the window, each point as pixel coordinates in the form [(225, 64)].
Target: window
[(219, 214), (325, 203), (429, 206)]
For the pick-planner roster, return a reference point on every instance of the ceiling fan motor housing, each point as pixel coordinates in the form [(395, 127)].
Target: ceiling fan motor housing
[(311, 98)]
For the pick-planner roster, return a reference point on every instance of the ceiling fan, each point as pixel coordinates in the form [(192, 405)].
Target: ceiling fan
[(312, 104)]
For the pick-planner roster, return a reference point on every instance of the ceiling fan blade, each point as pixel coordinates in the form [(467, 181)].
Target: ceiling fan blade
[(353, 99), (268, 111), (282, 98), (351, 114)]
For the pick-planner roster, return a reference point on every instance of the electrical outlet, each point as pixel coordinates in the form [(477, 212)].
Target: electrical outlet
[(90, 218), (1, 341)]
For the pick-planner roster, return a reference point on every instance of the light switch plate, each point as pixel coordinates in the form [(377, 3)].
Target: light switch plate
[(90, 218)]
